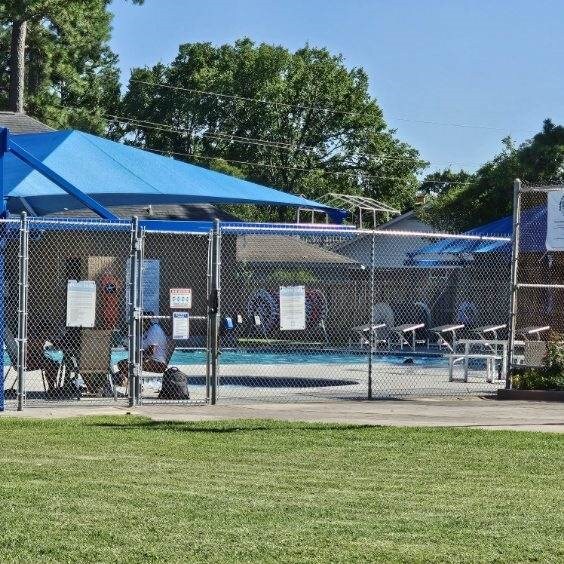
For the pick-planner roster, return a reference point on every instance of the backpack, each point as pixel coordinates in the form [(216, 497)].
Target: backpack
[(175, 384)]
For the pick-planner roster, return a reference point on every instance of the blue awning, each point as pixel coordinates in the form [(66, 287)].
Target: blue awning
[(114, 174), (533, 239)]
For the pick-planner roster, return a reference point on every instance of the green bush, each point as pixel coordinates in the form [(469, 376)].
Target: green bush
[(548, 377)]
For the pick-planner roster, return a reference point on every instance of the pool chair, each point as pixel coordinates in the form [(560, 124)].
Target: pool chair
[(443, 332), (532, 333), (406, 335), (363, 333), (87, 356), (378, 328)]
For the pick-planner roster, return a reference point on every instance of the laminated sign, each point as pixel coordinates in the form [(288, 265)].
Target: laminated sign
[(81, 303), (180, 298), (180, 325), (555, 221), (292, 308)]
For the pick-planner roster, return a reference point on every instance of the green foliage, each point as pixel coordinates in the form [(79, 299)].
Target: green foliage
[(292, 276), (72, 79), (548, 377), (489, 194), (299, 145)]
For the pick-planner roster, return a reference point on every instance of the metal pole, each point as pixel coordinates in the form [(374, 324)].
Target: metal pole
[(213, 309), (515, 243), (133, 309), (23, 285), (372, 320), (208, 326), (140, 246)]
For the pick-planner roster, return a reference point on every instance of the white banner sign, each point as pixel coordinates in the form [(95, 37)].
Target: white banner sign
[(555, 221), (292, 308), (81, 303)]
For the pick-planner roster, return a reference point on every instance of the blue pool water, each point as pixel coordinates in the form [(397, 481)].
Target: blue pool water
[(189, 357)]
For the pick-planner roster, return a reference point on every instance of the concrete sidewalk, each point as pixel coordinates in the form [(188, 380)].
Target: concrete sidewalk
[(471, 412)]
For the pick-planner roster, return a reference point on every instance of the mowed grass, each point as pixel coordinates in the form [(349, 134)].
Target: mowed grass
[(129, 489)]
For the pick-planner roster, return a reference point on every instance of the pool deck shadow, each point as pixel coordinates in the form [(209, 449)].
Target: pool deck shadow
[(473, 412)]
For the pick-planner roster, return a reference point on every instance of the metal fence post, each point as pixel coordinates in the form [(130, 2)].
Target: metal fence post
[(371, 331), (208, 324), (515, 243), (23, 286), (135, 267), (213, 309)]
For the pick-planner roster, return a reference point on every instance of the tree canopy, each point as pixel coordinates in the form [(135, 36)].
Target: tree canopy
[(462, 200), (299, 121), (71, 77)]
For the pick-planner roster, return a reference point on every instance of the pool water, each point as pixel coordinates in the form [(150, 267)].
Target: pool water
[(195, 357)]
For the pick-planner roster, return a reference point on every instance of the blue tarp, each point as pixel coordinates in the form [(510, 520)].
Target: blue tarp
[(114, 174), (533, 236)]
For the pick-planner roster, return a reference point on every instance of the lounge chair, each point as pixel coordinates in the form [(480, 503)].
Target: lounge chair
[(403, 331), (533, 333), (443, 331)]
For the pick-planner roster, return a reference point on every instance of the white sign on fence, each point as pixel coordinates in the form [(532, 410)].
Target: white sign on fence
[(81, 303), (292, 308), (180, 298), (555, 221), (180, 325)]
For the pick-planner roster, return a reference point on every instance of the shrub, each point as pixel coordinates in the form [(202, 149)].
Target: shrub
[(547, 377)]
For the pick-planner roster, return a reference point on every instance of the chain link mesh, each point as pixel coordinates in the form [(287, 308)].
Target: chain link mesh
[(175, 266), (382, 312), (540, 274), (304, 314)]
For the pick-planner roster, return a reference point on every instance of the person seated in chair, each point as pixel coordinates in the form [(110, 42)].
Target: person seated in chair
[(155, 345)]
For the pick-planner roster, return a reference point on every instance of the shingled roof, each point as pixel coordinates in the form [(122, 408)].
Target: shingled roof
[(192, 212), (284, 249), (19, 123)]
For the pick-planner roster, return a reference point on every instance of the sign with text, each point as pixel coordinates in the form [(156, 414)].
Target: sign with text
[(180, 298), (555, 221), (292, 308), (180, 325), (81, 303)]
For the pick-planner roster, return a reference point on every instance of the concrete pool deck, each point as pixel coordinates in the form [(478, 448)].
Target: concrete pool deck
[(467, 412)]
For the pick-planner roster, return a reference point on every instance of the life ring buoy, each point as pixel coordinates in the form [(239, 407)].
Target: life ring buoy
[(467, 313), (263, 304), (316, 307), (110, 287)]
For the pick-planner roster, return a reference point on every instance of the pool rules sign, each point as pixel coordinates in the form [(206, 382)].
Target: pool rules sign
[(555, 221), (292, 308)]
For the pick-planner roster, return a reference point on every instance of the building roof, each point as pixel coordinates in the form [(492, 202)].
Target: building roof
[(180, 212), (390, 251), (19, 123), (278, 249), (114, 174)]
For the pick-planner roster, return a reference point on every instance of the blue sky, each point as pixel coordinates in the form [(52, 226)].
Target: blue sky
[(496, 67)]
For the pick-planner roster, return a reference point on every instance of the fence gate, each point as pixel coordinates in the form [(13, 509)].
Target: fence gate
[(174, 285), (537, 277)]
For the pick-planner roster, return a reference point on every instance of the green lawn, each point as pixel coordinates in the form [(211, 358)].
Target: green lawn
[(128, 489)]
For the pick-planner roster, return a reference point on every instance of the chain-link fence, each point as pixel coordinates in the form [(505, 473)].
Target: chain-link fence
[(312, 314), (105, 312), (538, 277)]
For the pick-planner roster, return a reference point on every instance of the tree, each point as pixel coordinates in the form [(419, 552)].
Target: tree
[(56, 51), (440, 182), (301, 121), (488, 195)]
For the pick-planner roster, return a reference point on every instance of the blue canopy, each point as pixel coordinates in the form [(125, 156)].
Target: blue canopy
[(533, 237), (113, 174)]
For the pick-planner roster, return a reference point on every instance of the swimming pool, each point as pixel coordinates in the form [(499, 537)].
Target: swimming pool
[(330, 357)]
